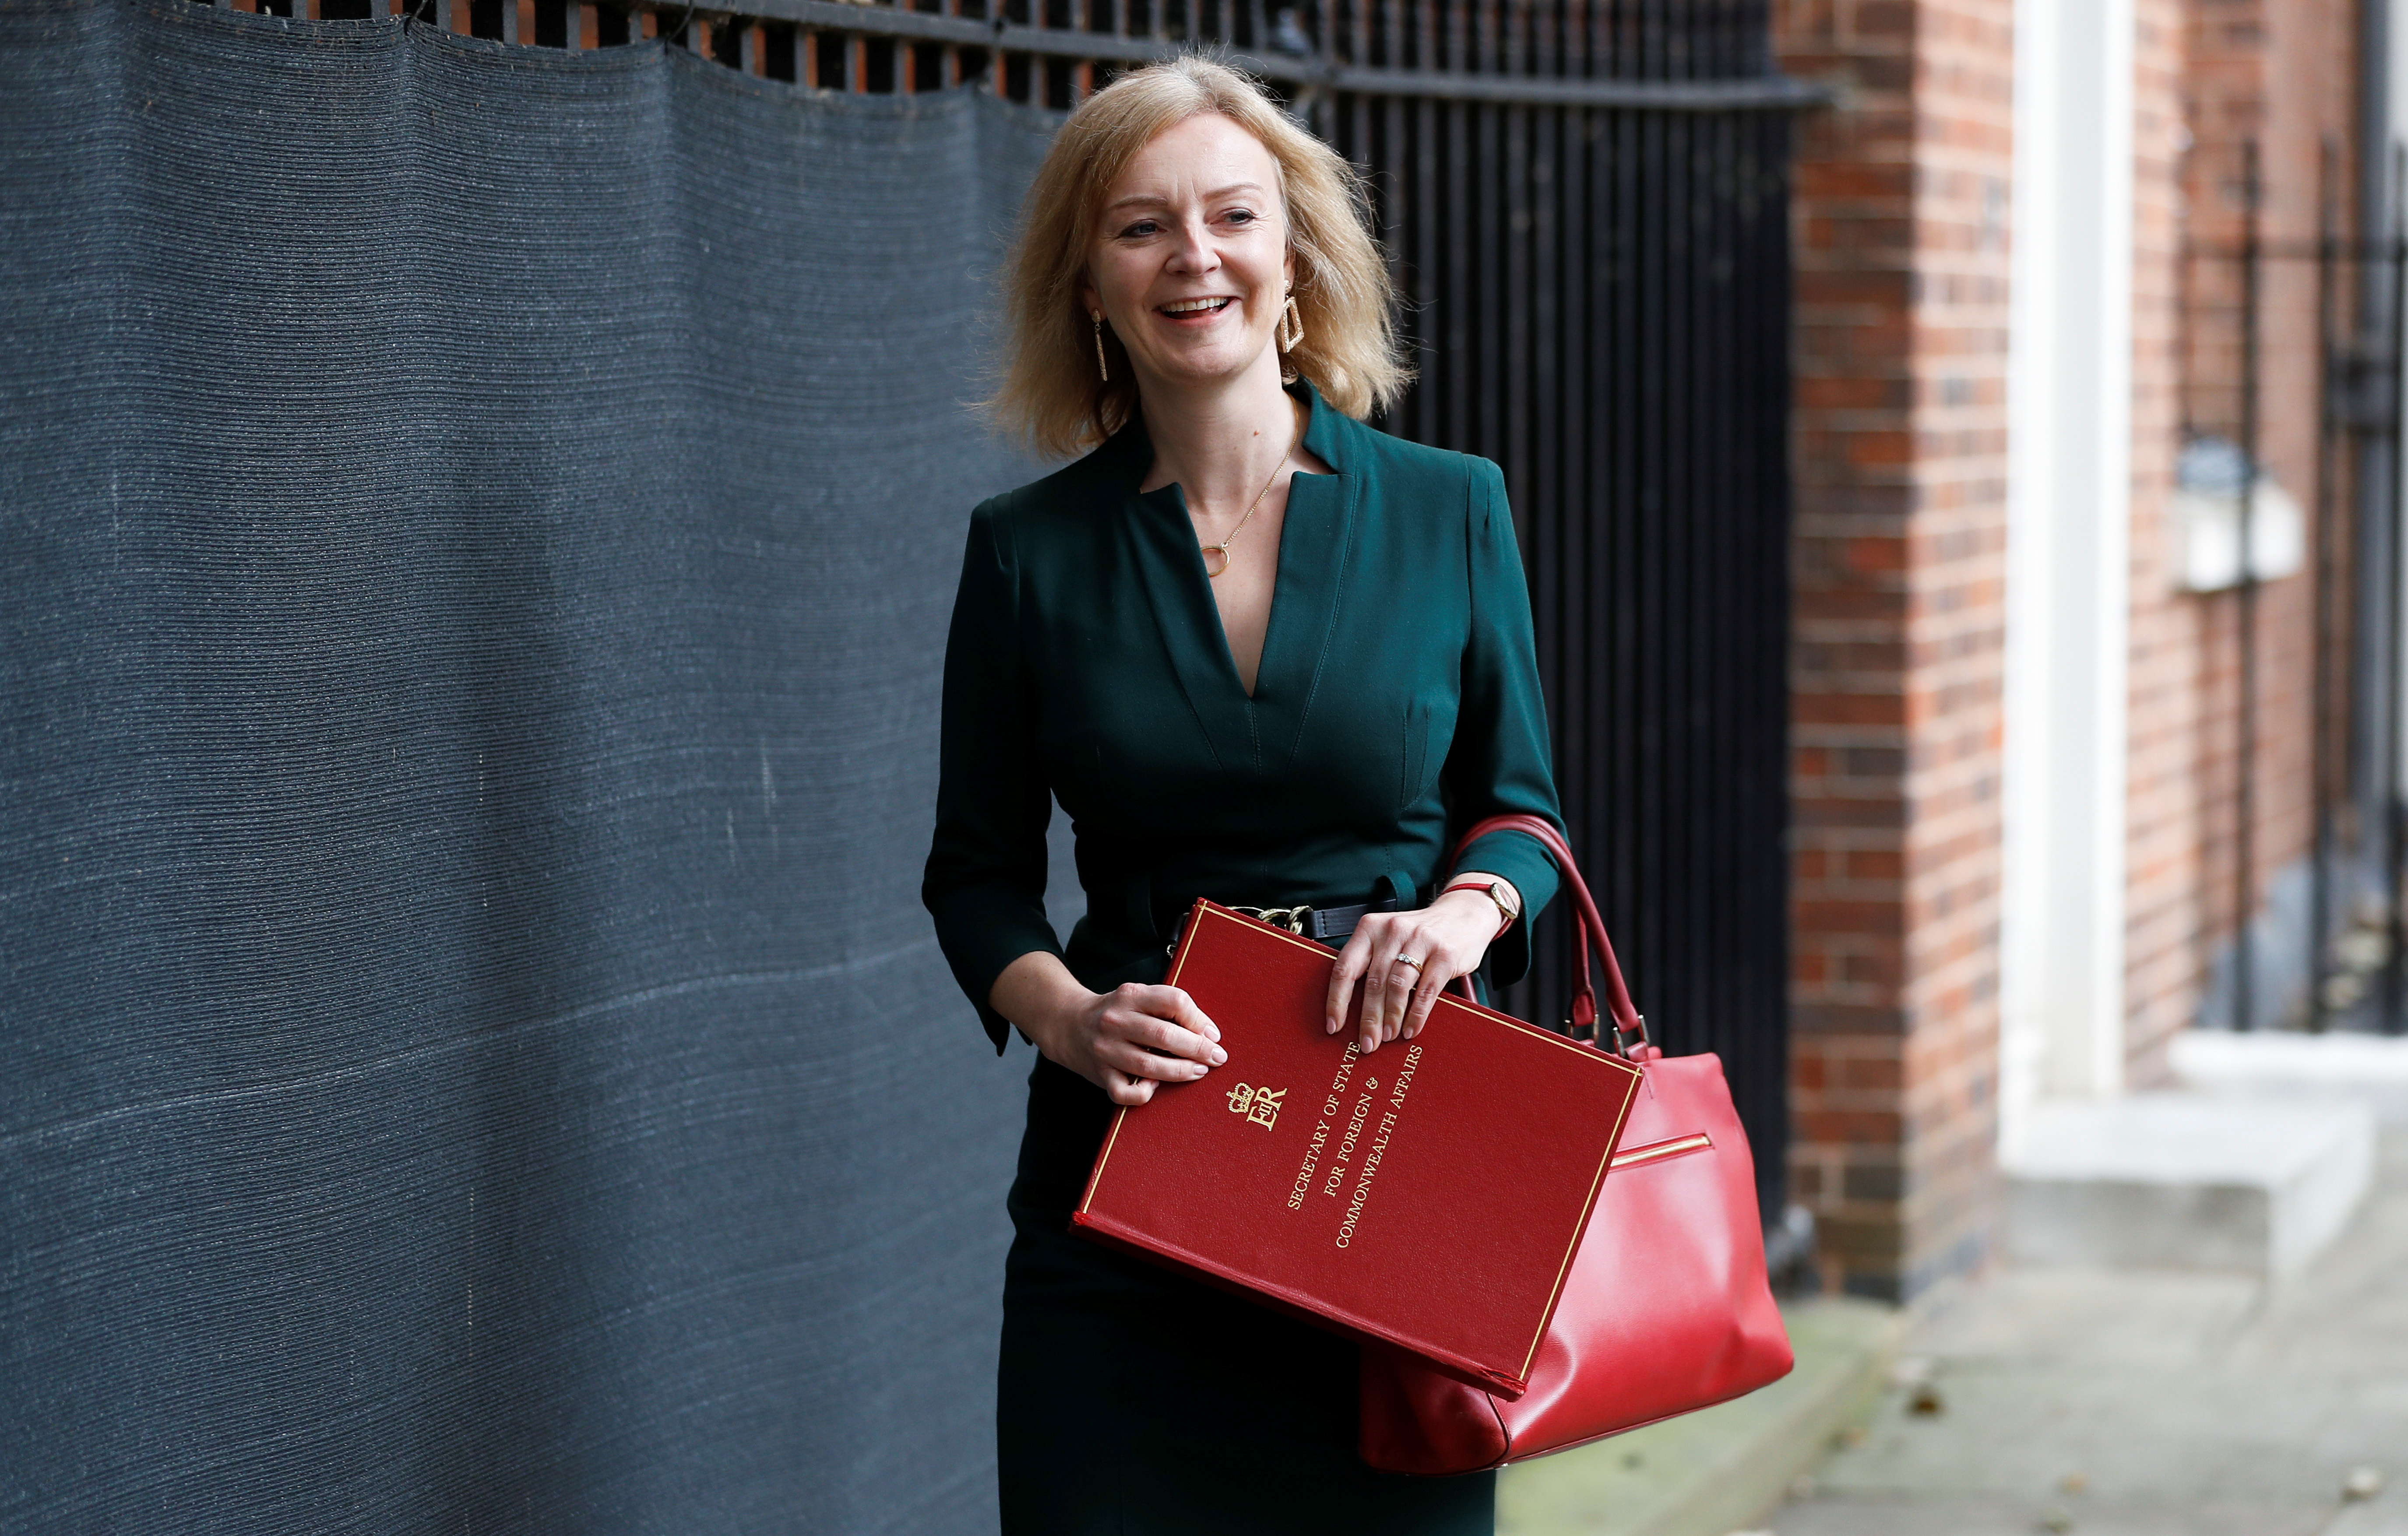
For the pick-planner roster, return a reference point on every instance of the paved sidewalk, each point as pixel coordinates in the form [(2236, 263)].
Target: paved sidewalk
[(2129, 1404), (1705, 1473)]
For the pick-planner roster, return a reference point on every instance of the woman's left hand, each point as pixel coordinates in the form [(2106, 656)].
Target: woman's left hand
[(1447, 938)]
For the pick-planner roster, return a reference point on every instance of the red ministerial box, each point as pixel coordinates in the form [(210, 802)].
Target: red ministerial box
[(1430, 1194)]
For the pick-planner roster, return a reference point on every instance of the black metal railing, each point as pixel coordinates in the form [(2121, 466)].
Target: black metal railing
[(1598, 300), (2253, 308), (1698, 56)]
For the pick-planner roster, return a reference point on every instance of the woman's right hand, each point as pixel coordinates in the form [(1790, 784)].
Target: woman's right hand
[(1125, 1041)]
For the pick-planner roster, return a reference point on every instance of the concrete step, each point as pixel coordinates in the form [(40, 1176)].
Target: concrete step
[(1716, 1471), (2273, 1064), (2136, 1403), (2187, 1181)]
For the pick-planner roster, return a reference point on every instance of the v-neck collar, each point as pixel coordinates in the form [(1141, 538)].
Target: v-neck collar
[(1314, 542)]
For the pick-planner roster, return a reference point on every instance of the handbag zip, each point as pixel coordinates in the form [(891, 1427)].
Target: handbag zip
[(1656, 1152)]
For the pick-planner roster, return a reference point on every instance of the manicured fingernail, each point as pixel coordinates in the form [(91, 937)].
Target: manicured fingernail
[(1219, 1055), (1329, 1026)]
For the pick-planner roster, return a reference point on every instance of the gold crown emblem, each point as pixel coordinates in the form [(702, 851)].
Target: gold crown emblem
[(1259, 1105)]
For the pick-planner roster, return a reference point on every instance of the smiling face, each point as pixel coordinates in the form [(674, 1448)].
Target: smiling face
[(1190, 263)]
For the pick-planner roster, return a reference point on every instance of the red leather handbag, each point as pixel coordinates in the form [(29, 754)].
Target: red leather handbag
[(1666, 1308)]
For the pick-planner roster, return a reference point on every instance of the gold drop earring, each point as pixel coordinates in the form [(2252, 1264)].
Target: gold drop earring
[(1102, 367), (1289, 331)]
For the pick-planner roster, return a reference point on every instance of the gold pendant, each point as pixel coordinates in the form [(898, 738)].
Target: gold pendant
[(1209, 551)]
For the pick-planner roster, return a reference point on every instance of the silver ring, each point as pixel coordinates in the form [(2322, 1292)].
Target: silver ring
[(1408, 960)]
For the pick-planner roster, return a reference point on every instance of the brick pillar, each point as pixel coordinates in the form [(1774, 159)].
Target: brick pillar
[(1903, 195)]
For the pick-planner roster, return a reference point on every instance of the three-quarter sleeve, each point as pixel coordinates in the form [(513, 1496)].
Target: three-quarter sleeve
[(985, 878), (1500, 762)]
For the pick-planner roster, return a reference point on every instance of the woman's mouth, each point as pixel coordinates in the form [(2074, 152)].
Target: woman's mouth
[(1187, 306)]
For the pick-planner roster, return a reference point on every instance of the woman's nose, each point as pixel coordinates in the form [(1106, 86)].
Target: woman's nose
[(1194, 251)]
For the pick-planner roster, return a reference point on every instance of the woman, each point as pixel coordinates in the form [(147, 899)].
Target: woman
[(1260, 652)]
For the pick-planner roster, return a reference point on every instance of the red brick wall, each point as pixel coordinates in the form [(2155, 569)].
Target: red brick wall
[(1899, 566), (2164, 957), (1902, 194)]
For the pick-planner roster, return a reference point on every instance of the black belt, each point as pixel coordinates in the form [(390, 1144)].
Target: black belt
[(1330, 926)]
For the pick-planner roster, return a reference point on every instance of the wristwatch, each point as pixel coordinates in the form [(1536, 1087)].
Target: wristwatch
[(1509, 906)]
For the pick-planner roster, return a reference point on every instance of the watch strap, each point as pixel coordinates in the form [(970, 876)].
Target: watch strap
[(1486, 885)]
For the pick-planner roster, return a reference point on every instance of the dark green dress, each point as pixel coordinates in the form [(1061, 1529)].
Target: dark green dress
[(1397, 698)]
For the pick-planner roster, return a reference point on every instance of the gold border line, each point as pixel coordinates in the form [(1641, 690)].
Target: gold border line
[(1588, 1052), (1587, 1210), (1578, 1047), (1095, 1179), (1355, 1321)]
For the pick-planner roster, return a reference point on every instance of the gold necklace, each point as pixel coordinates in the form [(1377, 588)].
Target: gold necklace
[(1222, 549)]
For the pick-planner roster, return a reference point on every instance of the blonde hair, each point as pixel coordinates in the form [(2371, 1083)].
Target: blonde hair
[(1050, 394)]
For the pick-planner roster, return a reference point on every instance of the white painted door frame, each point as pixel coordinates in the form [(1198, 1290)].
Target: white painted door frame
[(2069, 568)]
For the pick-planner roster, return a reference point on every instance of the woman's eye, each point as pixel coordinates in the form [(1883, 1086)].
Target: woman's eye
[(1140, 229), (1239, 216)]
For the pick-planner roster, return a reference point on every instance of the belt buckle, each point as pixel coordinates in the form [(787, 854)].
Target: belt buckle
[(1291, 918)]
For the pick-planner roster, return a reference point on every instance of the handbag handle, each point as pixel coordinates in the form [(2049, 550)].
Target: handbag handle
[(1629, 1028)]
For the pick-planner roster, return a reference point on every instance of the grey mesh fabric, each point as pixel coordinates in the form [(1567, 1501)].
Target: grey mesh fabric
[(479, 527)]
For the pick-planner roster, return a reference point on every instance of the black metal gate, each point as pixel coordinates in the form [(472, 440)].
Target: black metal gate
[(1599, 288), (1587, 205)]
